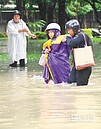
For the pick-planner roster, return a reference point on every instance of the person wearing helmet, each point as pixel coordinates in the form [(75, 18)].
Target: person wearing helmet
[(17, 31), (56, 53), (81, 77)]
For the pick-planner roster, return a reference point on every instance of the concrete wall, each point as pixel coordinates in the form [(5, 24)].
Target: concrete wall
[(32, 46), (3, 46), (2, 27)]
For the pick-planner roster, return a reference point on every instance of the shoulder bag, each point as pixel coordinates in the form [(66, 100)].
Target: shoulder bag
[(83, 57)]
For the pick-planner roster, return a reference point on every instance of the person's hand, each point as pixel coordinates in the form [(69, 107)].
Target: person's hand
[(46, 51), (64, 39), (33, 36)]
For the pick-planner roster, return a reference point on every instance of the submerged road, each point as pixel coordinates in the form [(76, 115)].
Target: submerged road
[(27, 103)]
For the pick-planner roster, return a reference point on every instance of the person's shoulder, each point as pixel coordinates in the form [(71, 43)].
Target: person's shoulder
[(80, 33), (86, 35), (83, 33), (10, 21)]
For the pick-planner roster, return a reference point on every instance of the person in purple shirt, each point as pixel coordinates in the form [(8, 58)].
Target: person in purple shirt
[(56, 52)]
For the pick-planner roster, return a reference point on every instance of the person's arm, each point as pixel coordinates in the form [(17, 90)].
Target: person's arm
[(23, 30), (31, 34), (28, 32), (75, 41)]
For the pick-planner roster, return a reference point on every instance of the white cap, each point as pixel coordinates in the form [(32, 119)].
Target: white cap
[(53, 26)]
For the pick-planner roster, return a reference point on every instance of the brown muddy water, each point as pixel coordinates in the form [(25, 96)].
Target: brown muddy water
[(27, 103)]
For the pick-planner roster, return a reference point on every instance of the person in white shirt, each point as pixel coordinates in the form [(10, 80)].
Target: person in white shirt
[(17, 31)]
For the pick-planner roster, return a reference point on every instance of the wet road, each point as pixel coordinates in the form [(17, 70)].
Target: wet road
[(27, 103)]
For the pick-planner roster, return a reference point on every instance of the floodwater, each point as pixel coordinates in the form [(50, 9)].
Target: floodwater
[(27, 103)]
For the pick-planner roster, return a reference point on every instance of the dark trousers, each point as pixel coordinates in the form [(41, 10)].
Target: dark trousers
[(81, 77)]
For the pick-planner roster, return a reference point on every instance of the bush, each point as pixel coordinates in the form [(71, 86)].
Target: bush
[(40, 35), (96, 40), (88, 31), (38, 25), (3, 57), (3, 34)]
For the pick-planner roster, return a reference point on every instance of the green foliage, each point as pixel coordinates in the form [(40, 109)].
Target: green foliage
[(3, 34), (37, 41), (77, 7), (70, 11), (36, 25), (88, 31), (3, 57), (34, 56), (40, 35), (34, 53), (85, 9), (96, 40), (97, 52), (98, 6)]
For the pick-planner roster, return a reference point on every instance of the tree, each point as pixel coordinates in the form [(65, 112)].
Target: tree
[(42, 10), (61, 14), (94, 4), (46, 9), (4, 2), (50, 10), (77, 8), (21, 6)]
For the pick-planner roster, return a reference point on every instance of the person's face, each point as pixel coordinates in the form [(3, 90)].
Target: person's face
[(16, 18), (70, 31), (50, 34)]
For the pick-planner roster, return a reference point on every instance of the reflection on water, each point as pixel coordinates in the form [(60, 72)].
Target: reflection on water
[(27, 103)]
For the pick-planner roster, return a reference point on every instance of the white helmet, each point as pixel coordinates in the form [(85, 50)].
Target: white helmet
[(53, 26)]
